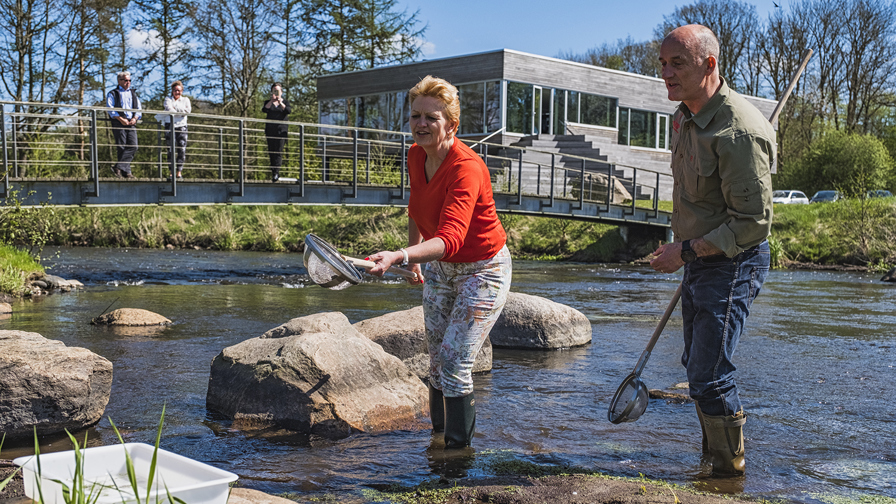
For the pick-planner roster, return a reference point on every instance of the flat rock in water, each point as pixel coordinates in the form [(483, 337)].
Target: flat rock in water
[(50, 386), (317, 375), (5, 308), (533, 322), (130, 317), (403, 334)]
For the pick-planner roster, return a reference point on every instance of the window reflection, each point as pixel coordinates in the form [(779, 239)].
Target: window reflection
[(519, 108)]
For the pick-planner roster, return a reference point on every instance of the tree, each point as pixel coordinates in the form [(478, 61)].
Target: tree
[(851, 163), (626, 55), (734, 23), (237, 47), (165, 25), (348, 35)]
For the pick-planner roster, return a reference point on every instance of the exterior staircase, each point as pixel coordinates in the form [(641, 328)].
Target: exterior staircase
[(568, 169)]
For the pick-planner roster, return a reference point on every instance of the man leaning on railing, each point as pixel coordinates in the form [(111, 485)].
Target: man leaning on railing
[(124, 124)]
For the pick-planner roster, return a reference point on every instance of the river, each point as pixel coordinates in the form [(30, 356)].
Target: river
[(816, 370)]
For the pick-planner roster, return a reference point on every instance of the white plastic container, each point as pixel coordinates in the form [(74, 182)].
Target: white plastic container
[(105, 469)]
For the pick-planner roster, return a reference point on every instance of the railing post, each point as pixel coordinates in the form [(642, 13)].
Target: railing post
[(582, 186), (634, 189), (354, 164), (367, 162), (221, 153), (5, 193), (159, 143), (301, 160), (324, 164), (538, 181), (519, 181), (610, 192), (15, 147), (553, 174), (94, 155), (404, 165)]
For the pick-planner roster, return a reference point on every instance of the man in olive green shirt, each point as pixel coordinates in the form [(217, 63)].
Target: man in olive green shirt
[(722, 153)]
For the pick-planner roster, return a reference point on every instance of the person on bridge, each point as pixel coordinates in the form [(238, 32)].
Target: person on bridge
[(276, 109), (723, 149), (179, 104), (453, 228), (124, 123)]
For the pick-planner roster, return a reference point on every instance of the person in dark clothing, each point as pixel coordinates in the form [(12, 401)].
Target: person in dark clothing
[(277, 109), (124, 123)]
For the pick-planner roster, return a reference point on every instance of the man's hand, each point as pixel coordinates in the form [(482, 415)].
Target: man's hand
[(667, 258), (123, 120)]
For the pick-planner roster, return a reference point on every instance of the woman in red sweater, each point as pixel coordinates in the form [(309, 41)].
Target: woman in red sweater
[(454, 230)]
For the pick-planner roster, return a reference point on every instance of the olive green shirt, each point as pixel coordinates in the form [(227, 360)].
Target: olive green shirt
[(721, 166)]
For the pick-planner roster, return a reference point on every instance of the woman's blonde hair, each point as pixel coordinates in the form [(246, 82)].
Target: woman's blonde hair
[(441, 90)]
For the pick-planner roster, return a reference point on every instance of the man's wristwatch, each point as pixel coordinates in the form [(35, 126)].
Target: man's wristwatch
[(687, 254)]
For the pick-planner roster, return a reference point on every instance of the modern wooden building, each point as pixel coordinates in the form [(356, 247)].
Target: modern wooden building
[(508, 96)]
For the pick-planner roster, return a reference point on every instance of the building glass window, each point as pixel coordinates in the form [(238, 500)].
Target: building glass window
[(559, 112), (663, 137), (642, 129), (598, 110), (492, 106), (623, 126), (572, 104), (519, 108), (472, 101)]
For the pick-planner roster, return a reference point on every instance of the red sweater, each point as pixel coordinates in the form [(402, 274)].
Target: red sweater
[(456, 205)]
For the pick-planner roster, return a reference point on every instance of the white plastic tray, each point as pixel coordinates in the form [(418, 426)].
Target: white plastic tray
[(105, 467)]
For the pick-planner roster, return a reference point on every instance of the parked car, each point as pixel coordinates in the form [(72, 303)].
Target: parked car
[(880, 193), (826, 197), (789, 197)]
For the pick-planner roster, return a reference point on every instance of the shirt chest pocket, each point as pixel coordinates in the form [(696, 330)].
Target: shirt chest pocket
[(701, 176)]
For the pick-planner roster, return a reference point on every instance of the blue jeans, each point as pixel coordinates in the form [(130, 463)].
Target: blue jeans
[(716, 295)]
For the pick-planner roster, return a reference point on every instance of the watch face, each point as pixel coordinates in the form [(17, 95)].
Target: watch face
[(688, 256)]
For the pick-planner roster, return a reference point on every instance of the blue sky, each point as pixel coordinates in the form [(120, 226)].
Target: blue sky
[(542, 27)]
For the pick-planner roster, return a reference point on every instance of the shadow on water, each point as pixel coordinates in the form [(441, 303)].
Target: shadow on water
[(815, 368)]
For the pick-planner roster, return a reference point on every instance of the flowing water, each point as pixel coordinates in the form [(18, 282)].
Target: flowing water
[(816, 374)]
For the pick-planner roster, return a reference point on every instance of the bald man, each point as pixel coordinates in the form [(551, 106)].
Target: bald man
[(722, 152)]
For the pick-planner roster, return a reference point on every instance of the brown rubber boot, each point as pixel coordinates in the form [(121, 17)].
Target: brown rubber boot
[(725, 443), (437, 409)]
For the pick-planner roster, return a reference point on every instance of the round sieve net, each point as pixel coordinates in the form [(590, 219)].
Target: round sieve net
[(630, 401), (326, 267)]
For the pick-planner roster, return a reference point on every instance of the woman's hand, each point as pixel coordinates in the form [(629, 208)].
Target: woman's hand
[(386, 259)]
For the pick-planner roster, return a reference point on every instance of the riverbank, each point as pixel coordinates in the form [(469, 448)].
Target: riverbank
[(578, 488)]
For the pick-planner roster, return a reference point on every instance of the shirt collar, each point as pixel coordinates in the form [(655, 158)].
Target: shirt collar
[(121, 88), (702, 118)]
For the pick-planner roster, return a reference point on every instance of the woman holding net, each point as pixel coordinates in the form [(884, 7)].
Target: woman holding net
[(453, 229)]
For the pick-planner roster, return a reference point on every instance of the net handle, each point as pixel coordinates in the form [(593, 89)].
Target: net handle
[(642, 361), (369, 264)]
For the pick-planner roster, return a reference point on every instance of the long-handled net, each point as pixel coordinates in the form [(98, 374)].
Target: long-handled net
[(630, 400), (326, 266)]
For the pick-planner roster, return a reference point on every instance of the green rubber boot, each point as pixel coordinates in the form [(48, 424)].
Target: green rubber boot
[(705, 446), (437, 409), (460, 421), (725, 443)]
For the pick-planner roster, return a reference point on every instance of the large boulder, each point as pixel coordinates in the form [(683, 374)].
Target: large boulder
[(403, 334), (317, 375), (890, 276), (5, 308), (50, 386), (532, 322), (132, 317)]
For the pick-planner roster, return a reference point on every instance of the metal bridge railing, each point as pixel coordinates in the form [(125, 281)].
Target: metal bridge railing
[(68, 142)]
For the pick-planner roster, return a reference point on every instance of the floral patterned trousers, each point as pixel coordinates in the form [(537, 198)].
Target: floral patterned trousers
[(461, 303)]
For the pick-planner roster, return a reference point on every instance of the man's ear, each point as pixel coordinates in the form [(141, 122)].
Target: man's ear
[(711, 64)]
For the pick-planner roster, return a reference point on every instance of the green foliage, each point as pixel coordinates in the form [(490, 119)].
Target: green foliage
[(848, 162), (26, 226), (16, 267)]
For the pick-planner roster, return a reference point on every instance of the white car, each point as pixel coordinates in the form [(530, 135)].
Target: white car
[(789, 197)]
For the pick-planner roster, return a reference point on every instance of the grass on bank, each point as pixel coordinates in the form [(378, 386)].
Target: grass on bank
[(16, 268), (356, 231)]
